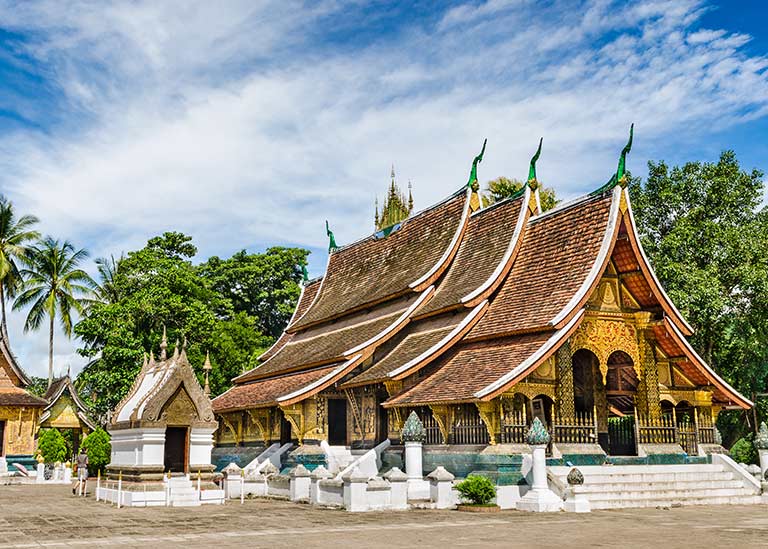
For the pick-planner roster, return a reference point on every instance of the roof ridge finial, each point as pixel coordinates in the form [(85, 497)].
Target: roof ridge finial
[(304, 275), (207, 369), (164, 345), (410, 196), (184, 343), (176, 349), (331, 239), (532, 180), (392, 173), (472, 182), (151, 357), (621, 177)]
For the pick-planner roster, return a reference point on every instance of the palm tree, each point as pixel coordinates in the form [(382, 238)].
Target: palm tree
[(54, 285), (14, 236), (106, 290)]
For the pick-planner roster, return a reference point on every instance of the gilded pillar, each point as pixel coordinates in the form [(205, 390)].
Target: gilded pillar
[(651, 378), (565, 401), (601, 401), (442, 415)]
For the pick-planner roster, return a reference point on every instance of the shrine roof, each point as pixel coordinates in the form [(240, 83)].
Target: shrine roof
[(376, 269), (560, 257), (487, 242), (265, 392), (16, 396), (55, 392)]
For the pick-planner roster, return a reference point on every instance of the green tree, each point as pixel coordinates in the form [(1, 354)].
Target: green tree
[(15, 235), (99, 449), (706, 234), (265, 286), (55, 286), (106, 290), (52, 446), (159, 286), (503, 187)]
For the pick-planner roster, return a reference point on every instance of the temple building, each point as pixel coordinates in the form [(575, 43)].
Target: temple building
[(480, 320), (65, 411), (19, 412)]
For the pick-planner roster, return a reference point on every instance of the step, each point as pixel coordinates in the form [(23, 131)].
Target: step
[(635, 469), (656, 486), (668, 494), (667, 502), (654, 477)]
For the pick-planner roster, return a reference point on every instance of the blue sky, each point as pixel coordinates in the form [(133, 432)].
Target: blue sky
[(248, 124)]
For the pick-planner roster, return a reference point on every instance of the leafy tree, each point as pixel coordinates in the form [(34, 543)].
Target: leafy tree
[(55, 287), (265, 286), (159, 286), (37, 385), (106, 290), (52, 446), (15, 234), (99, 449), (504, 187), (707, 236)]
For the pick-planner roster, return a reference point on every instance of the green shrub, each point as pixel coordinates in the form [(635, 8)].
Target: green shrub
[(99, 450), (477, 490), (52, 446), (743, 451)]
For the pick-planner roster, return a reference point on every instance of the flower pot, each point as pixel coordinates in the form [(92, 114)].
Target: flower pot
[(470, 508)]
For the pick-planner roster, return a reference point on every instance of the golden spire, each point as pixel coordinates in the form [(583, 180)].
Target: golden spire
[(207, 369)]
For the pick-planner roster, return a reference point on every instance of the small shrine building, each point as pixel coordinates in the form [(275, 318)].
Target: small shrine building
[(65, 411), (481, 319)]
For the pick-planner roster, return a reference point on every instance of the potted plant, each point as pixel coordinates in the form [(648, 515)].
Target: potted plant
[(476, 493)]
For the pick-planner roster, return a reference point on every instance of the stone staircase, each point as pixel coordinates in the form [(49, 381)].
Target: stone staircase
[(183, 492), (341, 457), (615, 487)]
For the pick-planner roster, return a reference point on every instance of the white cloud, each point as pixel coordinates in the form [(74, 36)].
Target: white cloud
[(236, 123)]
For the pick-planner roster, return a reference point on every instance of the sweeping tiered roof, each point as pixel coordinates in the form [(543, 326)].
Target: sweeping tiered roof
[(478, 300)]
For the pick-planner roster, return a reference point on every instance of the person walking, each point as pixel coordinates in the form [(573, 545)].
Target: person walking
[(82, 473)]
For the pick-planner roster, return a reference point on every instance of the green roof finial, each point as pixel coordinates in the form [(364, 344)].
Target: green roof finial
[(304, 274), (620, 178), (472, 183), (331, 239), (532, 169)]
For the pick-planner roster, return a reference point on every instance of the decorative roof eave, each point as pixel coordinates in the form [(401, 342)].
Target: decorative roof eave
[(598, 267), (693, 356), (505, 265), (434, 352), (415, 403), (13, 364), (439, 268), (317, 386), (441, 346), (366, 348), (532, 362), (653, 282), (393, 328)]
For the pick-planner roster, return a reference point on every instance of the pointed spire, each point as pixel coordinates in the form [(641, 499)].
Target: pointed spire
[(304, 274), (621, 170), (151, 357), (410, 196), (376, 214), (392, 174), (331, 239), (532, 169), (176, 349), (472, 182), (207, 369), (184, 343), (164, 345)]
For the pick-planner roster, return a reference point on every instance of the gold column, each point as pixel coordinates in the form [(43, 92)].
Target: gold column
[(442, 414), (566, 406), (601, 401), (489, 413), (651, 377)]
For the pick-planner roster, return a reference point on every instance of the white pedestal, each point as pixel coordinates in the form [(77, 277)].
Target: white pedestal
[(763, 462), (413, 461), (540, 498), (40, 473)]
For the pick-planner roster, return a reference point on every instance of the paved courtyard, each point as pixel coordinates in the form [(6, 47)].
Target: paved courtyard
[(34, 516)]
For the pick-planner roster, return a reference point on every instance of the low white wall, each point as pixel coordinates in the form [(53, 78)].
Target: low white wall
[(200, 445), (145, 446)]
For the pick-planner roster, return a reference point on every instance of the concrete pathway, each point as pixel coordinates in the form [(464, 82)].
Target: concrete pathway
[(36, 516)]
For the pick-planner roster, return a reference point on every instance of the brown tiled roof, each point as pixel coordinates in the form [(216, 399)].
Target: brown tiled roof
[(305, 300), (375, 269), (265, 392), (558, 251), (483, 246), (19, 397), (411, 347), (324, 344), (473, 367)]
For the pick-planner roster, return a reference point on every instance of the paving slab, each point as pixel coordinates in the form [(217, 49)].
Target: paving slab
[(49, 516)]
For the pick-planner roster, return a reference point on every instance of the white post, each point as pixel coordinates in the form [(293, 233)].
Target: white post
[(300, 483), (413, 460), (761, 443), (242, 486), (98, 483), (398, 488), (85, 487), (539, 498), (40, 473), (199, 492), (119, 489), (440, 487), (320, 473), (355, 485)]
